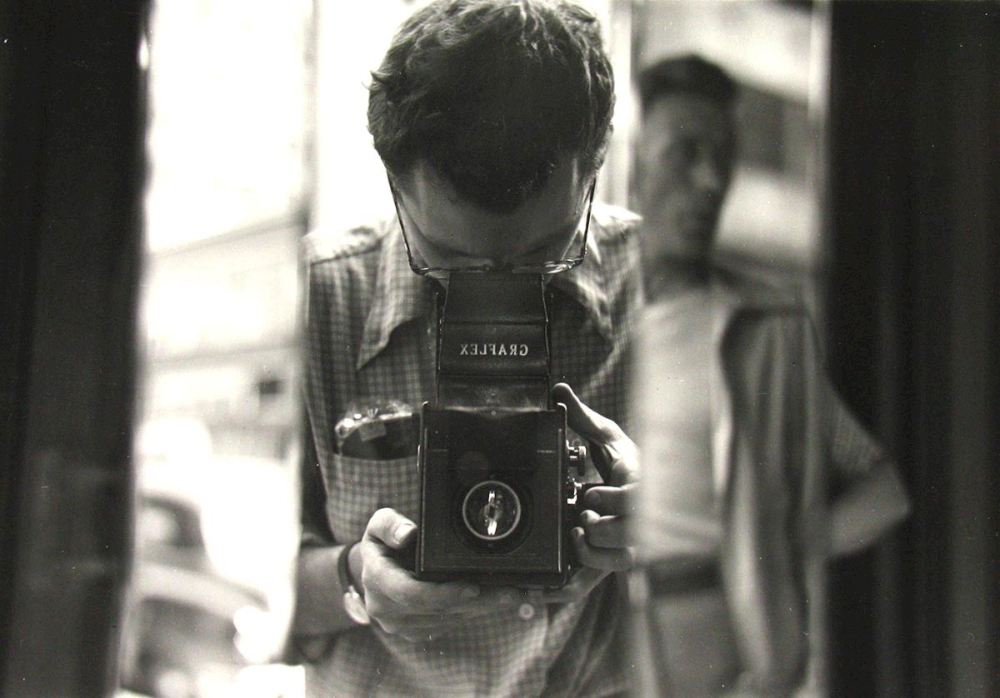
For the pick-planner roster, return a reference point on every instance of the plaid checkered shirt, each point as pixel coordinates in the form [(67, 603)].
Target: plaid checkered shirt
[(371, 339)]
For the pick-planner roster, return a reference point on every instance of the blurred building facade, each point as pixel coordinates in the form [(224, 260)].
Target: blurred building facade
[(220, 319), (228, 198)]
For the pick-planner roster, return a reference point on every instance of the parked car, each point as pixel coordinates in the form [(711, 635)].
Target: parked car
[(211, 589)]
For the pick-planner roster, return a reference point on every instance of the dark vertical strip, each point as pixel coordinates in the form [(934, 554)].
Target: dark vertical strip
[(932, 430), (21, 129), (869, 191), (74, 179), (991, 213), (913, 323), (972, 89)]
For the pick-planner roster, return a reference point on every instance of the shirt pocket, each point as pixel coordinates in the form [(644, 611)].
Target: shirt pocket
[(357, 487)]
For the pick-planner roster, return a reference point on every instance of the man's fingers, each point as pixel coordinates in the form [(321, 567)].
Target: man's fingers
[(614, 454), (450, 598), (386, 582), (391, 528), (388, 586), (583, 420), (611, 501), (609, 559), (605, 532), (421, 621)]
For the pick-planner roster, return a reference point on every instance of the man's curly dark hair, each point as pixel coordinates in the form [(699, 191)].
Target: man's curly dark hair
[(689, 74), (493, 95)]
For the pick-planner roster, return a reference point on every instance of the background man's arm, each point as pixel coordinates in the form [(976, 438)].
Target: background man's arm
[(867, 509), (869, 496)]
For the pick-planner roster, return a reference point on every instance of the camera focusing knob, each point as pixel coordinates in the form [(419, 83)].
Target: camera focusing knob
[(577, 454)]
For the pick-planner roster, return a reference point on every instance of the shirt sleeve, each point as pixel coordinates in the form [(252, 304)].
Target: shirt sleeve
[(853, 450), (315, 528), (856, 458)]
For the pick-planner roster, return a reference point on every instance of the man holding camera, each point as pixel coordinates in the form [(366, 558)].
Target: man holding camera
[(492, 118)]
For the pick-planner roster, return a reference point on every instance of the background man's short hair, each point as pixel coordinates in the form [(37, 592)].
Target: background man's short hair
[(690, 74), (493, 94)]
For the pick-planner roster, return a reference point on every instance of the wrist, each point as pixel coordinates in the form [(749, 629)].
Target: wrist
[(354, 602), (354, 566)]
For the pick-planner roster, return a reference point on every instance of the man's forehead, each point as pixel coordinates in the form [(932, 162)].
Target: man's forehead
[(434, 197)]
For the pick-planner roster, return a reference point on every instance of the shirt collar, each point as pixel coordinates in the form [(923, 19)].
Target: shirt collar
[(401, 295), (586, 284)]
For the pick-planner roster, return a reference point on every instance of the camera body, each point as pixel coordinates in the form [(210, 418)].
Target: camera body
[(498, 494)]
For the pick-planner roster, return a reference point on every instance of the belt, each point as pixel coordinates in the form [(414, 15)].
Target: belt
[(668, 580)]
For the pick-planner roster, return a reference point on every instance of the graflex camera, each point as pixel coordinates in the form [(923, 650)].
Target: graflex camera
[(498, 496)]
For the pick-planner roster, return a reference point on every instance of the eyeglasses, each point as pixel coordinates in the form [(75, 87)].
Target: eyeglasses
[(543, 268)]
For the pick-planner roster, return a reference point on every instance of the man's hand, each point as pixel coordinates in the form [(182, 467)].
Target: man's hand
[(401, 604), (602, 541)]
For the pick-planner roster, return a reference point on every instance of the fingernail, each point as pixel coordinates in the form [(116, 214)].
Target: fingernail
[(593, 498), (470, 592), (401, 532)]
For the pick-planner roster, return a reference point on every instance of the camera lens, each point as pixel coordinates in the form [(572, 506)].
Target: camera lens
[(491, 510)]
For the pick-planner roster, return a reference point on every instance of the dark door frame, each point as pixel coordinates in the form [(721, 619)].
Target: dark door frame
[(71, 172)]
